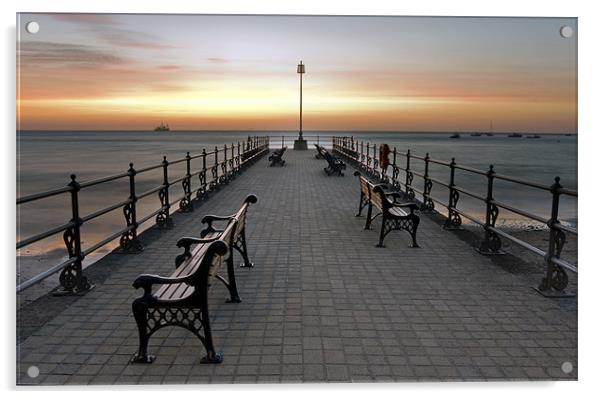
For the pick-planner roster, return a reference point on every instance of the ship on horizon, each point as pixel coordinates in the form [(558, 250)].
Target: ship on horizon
[(163, 127)]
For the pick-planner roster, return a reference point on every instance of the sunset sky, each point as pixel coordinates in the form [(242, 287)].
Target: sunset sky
[(91, 71)]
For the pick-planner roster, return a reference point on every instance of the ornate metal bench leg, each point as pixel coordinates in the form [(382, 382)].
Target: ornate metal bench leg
[(368, 217), (139, 307), (415, 221), (241, 247), (362, 204), (212, 355), (232, 289), (381, 238)]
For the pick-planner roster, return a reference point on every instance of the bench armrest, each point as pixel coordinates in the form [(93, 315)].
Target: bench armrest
[(212, 218), (188, 241), (209, 219), (146, 281), (410, 205)]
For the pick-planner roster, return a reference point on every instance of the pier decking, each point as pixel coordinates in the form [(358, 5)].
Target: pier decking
[(321, 304)]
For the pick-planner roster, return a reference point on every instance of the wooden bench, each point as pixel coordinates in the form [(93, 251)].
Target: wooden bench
[(182, 299), (320, 149), (335, 165), (395, 215), (276, 157), (240, 238)]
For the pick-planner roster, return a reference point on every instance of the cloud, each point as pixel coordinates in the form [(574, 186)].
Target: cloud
[(107, 27), (130, 39), (217, 60), (168, 67), (48, 54), (96, 19)]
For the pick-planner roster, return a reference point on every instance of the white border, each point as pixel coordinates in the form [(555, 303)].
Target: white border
[(590, 23)]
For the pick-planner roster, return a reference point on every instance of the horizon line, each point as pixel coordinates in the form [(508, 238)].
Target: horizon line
[(294, 131)]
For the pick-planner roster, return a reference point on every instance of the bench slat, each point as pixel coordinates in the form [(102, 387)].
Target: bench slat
[(166, 291)]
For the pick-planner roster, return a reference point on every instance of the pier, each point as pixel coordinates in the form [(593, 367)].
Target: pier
[(321, 304)]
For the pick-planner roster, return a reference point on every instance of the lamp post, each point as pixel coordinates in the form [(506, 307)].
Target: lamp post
[(300, 143)]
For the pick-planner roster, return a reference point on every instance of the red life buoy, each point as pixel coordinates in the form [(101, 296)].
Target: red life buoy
[(383, 156)]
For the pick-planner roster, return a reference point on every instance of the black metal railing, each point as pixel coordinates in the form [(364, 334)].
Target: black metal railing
[(222, 163), (365, 157)]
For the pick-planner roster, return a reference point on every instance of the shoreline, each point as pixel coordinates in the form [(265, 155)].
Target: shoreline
[(28, 266)]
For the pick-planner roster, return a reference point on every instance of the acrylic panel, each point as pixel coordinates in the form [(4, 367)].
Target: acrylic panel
[(290, 199)]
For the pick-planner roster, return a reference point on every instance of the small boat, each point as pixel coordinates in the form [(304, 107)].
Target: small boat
[(490, 129), (163, 127), (533, 136), (454, 136), (515, 135), (476, 134)]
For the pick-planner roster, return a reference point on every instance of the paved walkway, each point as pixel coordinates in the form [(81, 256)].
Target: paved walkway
[(322, 303)]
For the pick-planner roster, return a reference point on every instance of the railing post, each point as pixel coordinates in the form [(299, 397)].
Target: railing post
[(202, 191), (238, 158), (362, 156), (556, 279), (492, 243), (163, 219), (224, 177), (129, 242), (453, 221), (395, 171), (214, 173), (231, 162), (72, 279), (374, 159), (427, 202), (409, 178), (368, 159), (186, 202)]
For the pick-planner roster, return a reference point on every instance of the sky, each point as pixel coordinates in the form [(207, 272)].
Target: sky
[(208, 72)]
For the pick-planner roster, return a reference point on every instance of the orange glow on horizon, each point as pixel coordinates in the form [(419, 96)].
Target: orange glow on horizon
[(119, 84)]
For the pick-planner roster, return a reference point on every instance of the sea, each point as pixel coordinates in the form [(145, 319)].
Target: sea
[(46, 159)]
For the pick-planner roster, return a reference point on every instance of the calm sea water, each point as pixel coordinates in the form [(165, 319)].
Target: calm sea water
[(46, 159)]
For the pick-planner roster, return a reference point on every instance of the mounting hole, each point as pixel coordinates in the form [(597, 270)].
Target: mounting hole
[(33, 372), (32, 27), (566, 31), (567, 367)]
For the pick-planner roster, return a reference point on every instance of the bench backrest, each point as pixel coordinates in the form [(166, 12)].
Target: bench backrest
[(227, 236), (377, 198), (241, 215), (365, 187), (368, 190)]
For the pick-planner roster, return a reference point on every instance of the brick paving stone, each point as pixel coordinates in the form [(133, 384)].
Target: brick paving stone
[(321, 304)]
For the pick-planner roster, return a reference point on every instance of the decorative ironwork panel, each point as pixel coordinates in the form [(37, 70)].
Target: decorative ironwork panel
[(453, 220), (162, 218), (202, 190), (185, 203)]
